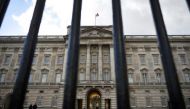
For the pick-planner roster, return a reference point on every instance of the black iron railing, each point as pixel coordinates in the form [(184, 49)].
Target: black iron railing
[(174, 90)]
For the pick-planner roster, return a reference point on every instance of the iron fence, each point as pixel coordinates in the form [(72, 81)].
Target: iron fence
[(172, 82)]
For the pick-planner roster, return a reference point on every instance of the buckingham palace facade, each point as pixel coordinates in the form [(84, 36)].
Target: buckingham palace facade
[(96, 88)]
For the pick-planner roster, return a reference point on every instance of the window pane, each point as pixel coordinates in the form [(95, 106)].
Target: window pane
[(142, 59), (19, 59), (34, 59), (106, 75), (60, 60), (94, 75), (82, 74), (82, 58), (144, 77), (182, 58), (30, 78), (94, 58), (58, 78), (7, 59), (156, 59), (2, 77), (44, 78), (129, 59), (46, 59), (130, 77)]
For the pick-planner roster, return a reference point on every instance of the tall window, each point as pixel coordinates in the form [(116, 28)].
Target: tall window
[(59, 59), (182, 58), (94, 58), (144, 75), (130, 76), (34, 59), (54, 101), (133, 101), (83, 54), (158, 76), (7, 59), (44, 76), (2, 75), (94, 75), (82, 58), (82, 74), (15, 75), (106, 54), (106, 75), (19, 59), (30, 77), (39, 100), (148, 101), (142, 59), (187, 75), (129, 58), (106, 58), (46, 59), (58, 76), (163, 101), (156, 59)]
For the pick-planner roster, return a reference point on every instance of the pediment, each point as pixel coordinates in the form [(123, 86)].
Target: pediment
[(95, 32)]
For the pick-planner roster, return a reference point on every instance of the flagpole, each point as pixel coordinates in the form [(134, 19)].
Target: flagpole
[(95, 20), (96, 15)]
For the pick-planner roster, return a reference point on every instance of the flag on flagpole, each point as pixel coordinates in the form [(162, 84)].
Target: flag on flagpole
[(97, 14)]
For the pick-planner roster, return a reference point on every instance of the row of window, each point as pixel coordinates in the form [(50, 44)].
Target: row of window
[(106, 75), (133, 101), (43, 79), (46, 59), (40, 99), (159, 76), (155, 57)]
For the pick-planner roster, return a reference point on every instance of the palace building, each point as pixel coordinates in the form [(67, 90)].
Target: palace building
[(96, 88)]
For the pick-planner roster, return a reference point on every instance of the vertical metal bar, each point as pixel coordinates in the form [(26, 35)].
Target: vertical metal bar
[(188, 4), (173, 86), (20, 87), (3, 7), (72, 59), (120, 61)]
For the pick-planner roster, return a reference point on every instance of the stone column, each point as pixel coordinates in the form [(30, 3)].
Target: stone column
[(64, 64), (112, 63), (88, 63), (100, 62)]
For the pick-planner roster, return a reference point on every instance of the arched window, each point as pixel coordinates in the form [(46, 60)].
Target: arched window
[(186, 75), (2, 75), (44, 75), (31, 76), (158, 76), (93, 75), (81, 74), (15, 75), (106, 75), (144, 73), (130, 75), (58, 76)]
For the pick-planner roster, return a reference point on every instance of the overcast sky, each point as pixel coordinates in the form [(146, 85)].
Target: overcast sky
[(137, 19)]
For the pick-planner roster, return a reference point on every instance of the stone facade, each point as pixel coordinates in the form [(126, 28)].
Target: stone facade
[(96, 81)]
